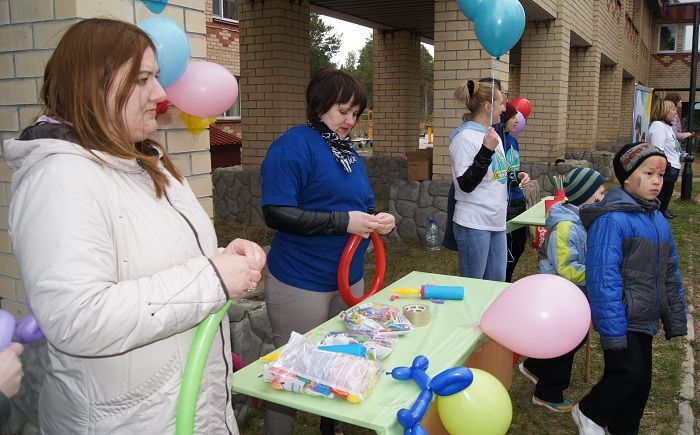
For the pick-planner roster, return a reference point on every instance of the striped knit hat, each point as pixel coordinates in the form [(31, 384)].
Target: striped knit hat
[(631, 156), (580, 184)]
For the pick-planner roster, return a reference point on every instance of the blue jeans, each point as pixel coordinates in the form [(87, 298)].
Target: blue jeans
[(482, 254)]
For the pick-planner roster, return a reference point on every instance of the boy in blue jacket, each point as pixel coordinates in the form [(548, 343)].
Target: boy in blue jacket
[(633, 281), (564, 254)]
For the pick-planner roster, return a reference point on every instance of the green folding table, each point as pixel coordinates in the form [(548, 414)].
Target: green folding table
[(447, 341)]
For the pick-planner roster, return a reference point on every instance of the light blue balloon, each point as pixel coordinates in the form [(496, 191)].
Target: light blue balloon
[(470, 7), (499, 25), (172, 48)]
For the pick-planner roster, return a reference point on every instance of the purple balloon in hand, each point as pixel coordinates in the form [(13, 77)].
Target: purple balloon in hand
[(7, 328), (28, 330)]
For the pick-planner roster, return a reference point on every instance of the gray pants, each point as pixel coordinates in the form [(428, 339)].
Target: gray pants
[(295, 309)]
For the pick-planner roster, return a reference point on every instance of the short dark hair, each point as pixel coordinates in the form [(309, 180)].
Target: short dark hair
[(330, 86), (673, 96)]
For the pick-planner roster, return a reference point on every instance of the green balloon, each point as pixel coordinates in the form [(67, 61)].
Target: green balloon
[(192, 377), (483, 408)]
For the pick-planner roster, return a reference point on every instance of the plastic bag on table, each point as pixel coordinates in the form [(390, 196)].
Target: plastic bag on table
[(303, 368), (379, 320), (376, 348)]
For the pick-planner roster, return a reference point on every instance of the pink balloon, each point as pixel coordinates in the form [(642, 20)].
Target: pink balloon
[(205, 89), (539, 316), (520, 125)]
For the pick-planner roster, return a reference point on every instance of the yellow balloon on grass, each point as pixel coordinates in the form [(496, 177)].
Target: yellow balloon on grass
[(483, 408)]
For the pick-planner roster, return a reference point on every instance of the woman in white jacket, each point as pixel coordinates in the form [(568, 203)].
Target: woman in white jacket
[(117, 256), (661, 135)]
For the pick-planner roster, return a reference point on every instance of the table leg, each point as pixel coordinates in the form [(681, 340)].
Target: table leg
[(493, 358)]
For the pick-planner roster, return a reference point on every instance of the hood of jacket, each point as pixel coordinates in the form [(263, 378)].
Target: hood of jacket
[(40, 141), (562, 212), (617, 199)]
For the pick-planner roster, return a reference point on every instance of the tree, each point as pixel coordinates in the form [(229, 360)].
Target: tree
[(365, 68), (426, 83), (323, 43), (350, 64)]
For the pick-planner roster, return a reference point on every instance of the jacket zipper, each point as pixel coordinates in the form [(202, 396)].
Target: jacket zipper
[(221, 331), (652, 323)]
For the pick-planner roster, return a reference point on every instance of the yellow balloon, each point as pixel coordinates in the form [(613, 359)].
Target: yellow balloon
[(483, 408)]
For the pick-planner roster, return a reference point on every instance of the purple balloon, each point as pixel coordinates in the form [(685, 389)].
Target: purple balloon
[(7, 328), (28, 330), (520, 125)]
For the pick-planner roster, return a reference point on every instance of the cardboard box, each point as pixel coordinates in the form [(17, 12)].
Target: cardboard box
[(420, 164)]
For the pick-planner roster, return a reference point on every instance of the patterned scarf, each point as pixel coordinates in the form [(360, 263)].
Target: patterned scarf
[(341, 149)]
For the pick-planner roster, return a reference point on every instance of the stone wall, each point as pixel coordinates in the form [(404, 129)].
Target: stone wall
[(237, 192)]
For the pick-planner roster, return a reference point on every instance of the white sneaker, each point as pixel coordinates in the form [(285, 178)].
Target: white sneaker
[(585, 425), (527, 373)]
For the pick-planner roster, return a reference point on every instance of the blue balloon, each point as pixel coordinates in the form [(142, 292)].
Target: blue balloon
[(499, 24), (172, 48), (451, 381), (469, 7), (155, 6)]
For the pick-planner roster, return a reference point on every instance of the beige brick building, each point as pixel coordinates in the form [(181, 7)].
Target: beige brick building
[(577, 62)]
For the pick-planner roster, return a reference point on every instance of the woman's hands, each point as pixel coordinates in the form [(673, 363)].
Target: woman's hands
[(363, 224), (491, 139), (11, 369), (240, 266)]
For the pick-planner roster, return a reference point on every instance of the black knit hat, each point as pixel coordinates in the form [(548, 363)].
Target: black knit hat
[(631, 156), (580, 184)]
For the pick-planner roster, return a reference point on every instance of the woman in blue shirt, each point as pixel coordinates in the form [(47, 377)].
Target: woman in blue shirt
[(315, 193)]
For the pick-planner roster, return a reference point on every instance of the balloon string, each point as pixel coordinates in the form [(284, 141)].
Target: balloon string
[(493, 86)]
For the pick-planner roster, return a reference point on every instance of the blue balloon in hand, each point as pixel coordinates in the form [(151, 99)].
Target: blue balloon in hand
[(469, 7), (499, 24), (172, 48)]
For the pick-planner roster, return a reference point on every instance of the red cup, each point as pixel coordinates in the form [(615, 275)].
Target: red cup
[(548, 203)]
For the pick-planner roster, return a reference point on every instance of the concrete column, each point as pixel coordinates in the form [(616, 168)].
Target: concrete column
[(458, 57), (582, 114), (626, 107), (609, 98), (274, 72), (544, 80), (396, 110)]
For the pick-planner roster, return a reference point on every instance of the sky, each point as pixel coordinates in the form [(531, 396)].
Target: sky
[(354, 37)]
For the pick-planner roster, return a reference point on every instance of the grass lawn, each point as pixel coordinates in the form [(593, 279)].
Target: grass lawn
[(661, 414)]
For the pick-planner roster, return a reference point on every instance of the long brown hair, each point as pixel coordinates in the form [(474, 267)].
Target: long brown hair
[(78, 79)]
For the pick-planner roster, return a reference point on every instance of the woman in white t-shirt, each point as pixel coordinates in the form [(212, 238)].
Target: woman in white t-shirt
[(480, 174), (661, 135)]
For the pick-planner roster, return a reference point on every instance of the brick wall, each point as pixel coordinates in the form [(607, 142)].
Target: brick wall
[(626, 106), (396, 93), (609, 98), (544, 80), (274, 71), (582, 113), (29, 31)]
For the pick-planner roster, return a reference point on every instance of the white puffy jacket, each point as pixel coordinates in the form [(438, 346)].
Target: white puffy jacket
[(118, 280)]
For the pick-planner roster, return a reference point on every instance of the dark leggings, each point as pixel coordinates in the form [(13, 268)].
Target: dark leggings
[(670, 178)]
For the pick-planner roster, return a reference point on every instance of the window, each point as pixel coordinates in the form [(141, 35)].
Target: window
[(688, 41), (667, 38), (234, 112), (226, 9)]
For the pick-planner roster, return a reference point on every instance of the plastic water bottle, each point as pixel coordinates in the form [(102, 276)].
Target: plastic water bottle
[(432, 235)]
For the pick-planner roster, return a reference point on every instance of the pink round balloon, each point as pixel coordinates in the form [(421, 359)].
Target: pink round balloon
[(520, 126), (205, 89), (539, 316)]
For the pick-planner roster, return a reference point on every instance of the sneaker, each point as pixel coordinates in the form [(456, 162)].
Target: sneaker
[(585, 425), (564, 406), (527, 373)]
